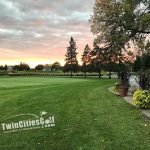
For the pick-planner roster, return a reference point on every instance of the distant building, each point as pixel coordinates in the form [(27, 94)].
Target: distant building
[(47, 67), (10, 68)]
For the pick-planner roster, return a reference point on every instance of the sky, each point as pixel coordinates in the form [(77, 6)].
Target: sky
[(38, 31)]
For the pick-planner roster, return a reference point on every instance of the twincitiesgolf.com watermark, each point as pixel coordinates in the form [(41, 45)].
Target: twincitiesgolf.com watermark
[(44, 121)]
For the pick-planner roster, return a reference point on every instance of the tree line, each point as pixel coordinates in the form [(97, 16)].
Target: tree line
[(105, 58), (93, 60)]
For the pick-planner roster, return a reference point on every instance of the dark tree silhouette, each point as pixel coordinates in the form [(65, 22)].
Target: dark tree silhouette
[(97, 58), (71, 60), (39, 67), (56, 66), (22, 67), (137, 64), (86, 58)]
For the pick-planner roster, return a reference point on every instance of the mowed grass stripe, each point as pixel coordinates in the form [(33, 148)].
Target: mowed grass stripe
[(87, 116)]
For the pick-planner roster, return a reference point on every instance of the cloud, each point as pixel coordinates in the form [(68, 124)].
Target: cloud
[(9, 11), (44, 27)]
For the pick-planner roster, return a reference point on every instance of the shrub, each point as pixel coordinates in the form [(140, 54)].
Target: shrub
[(116, 87), (141, 98)]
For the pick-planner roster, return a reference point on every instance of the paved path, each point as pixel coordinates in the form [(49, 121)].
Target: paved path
[(129, 99)]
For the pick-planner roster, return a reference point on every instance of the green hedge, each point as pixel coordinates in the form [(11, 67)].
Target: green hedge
[(3, 72)]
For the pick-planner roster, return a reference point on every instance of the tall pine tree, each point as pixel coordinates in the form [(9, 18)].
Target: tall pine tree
[(97, 58), (71, 59), (86, 58)]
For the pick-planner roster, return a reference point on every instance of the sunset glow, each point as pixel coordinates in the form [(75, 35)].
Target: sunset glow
[(38, 31)]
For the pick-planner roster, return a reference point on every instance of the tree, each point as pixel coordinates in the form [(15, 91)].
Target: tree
[(137, 64), (56, 66), (71, 60), (146, 61), (97, 58), (142, 63), (117, 22), (129, 59), (147, 47), (22, 67), (39, 67), (104, 56), (5, 67), (86, 58), (17, 67), (1, 68)]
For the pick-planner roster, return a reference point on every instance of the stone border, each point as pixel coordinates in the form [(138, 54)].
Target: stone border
[(129, 99)]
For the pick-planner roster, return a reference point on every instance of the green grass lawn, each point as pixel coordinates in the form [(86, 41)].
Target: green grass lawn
[(87, 116)]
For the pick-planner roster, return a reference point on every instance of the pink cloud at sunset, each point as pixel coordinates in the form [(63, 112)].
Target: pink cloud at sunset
[(38, 31)]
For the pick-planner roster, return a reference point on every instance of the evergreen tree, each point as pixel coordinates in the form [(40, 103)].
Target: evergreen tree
[(97, 58), (104, 56), (71, 60), (86, 58)]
